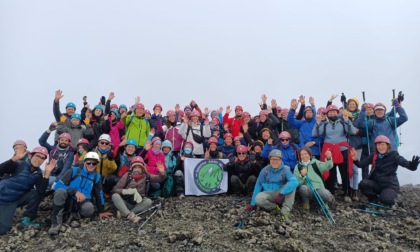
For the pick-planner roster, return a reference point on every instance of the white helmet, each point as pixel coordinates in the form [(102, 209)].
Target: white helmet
[(105, 137), (92, 155)]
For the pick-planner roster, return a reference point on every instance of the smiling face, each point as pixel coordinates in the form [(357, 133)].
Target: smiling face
[(37, 159), (382, 148), (352, 106), (304, 156)]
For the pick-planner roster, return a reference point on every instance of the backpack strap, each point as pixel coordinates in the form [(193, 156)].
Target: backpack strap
[(316, 169), (375, 156), (127, 181)]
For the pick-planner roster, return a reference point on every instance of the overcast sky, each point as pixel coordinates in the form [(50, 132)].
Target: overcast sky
[(217, 52)]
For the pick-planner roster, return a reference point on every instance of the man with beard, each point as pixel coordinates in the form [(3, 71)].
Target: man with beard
[(62, 152), (305, 127), (236, 122), (336, 131)]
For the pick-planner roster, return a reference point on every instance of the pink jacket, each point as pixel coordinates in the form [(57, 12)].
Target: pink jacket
[(114, 132), (151, 159)]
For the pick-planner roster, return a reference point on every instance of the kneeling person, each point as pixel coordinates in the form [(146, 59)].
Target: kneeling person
[(275, 187), (75, 189)]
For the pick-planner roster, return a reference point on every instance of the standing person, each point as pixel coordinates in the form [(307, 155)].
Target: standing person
[(382, 184), (107, 166), (187, 152), (75, 188), (76, 129), (313, 169), (335, 131), (235, 122), (17, 187), (171, 130), (62, 117), (191, 130), (363, 119), (129, 195), (275, 187), (270, 122), (288, 149), (137, 126), (116, 127)]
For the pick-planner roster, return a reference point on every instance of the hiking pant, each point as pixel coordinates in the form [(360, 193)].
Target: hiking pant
[(265, 200), (62, 199), (306, 194), (241, 188), (372, 191), (125, 207), (329, 183), (179, 183), (354, 181), (7, 210)]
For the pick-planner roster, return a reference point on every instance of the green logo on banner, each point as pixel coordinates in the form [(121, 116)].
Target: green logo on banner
[(208, 175)]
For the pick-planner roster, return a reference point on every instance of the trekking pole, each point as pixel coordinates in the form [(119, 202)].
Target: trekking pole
[(366, 124), (321, 202), (242, 220), (149, 209), (147, 220), (395, 119), (235, 202)]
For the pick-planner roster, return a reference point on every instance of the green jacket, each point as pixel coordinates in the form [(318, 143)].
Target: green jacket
[(137, 128), (317, 181)]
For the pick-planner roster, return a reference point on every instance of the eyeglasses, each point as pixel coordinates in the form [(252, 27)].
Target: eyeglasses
[(241, 153), (285, 140), (104, 143), (40, 157), (92, 163)]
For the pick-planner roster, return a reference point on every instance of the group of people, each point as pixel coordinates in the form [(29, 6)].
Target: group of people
[(128, 154)]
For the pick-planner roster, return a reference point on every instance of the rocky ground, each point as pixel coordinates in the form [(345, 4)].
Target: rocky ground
[(212, 224)]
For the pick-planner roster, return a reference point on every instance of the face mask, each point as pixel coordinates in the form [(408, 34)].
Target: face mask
[(333, 118), (156, 152), (187, 151), (81, 152)]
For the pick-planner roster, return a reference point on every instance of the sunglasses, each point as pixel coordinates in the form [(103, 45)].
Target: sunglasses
[(241, 153), (284, 140), (104, 143), (92, 163)]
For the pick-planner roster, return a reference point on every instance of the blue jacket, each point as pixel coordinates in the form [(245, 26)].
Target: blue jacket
[(19, 180), (271, 179), (84, 183), (288, 152), (305, 130)]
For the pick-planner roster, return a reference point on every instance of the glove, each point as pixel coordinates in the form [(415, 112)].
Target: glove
[(278, 198), (250, 208), (103, 101), (364, 108), (52, 127), (400, 97), (110, 155), (129, 191), (137, 197), (343, 98), (395, 103), (63, 118), (414, 163)]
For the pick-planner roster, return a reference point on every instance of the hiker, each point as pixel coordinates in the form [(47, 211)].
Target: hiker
[(114, 126), (154, 157), (235, 122), (62, 117), (129, 195), (76, 129), (305, 127), (312, 168), (107, 166), (242, 172), (275, 188), (137, 127), (212, 152), (335, 131), (23, 184), (20, 146), (124, 159), (382, 184), (227, 148), (171, 130), (82, 149), (74, 191), (61, 151), (191, 130), (170, 164), (287, 149)]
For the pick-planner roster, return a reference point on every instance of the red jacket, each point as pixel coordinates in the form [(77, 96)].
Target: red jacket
[(234, 124), (337, 157)]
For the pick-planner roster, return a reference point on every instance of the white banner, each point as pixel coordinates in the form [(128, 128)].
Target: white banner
[(205, 177)]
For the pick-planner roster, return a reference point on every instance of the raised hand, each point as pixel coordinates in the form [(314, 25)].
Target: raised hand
[(293, 104), (353, 153), (58, 95), (220, 110), (263, 98), (333, 96), (302, 99), (137, 100), (49, 167), (318, 119), (245, 127), (311, 101), (207, 153), (270, 141), (206, 111), (273, 103), (177, 107), (111, 96), (161, 167), (345, 116), (228, 110), (328, 154), (148, 145), (414, 163)]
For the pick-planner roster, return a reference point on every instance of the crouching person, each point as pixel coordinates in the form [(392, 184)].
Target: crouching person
[(74, 190), (17, 186), (129, 194), (312, 169), (275, 187)]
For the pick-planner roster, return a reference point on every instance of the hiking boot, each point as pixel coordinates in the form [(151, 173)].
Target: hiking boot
[(285, 219), (306, 206), (133, 217), (354, 195), (181, 196), (54, 229), (27, 222)]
